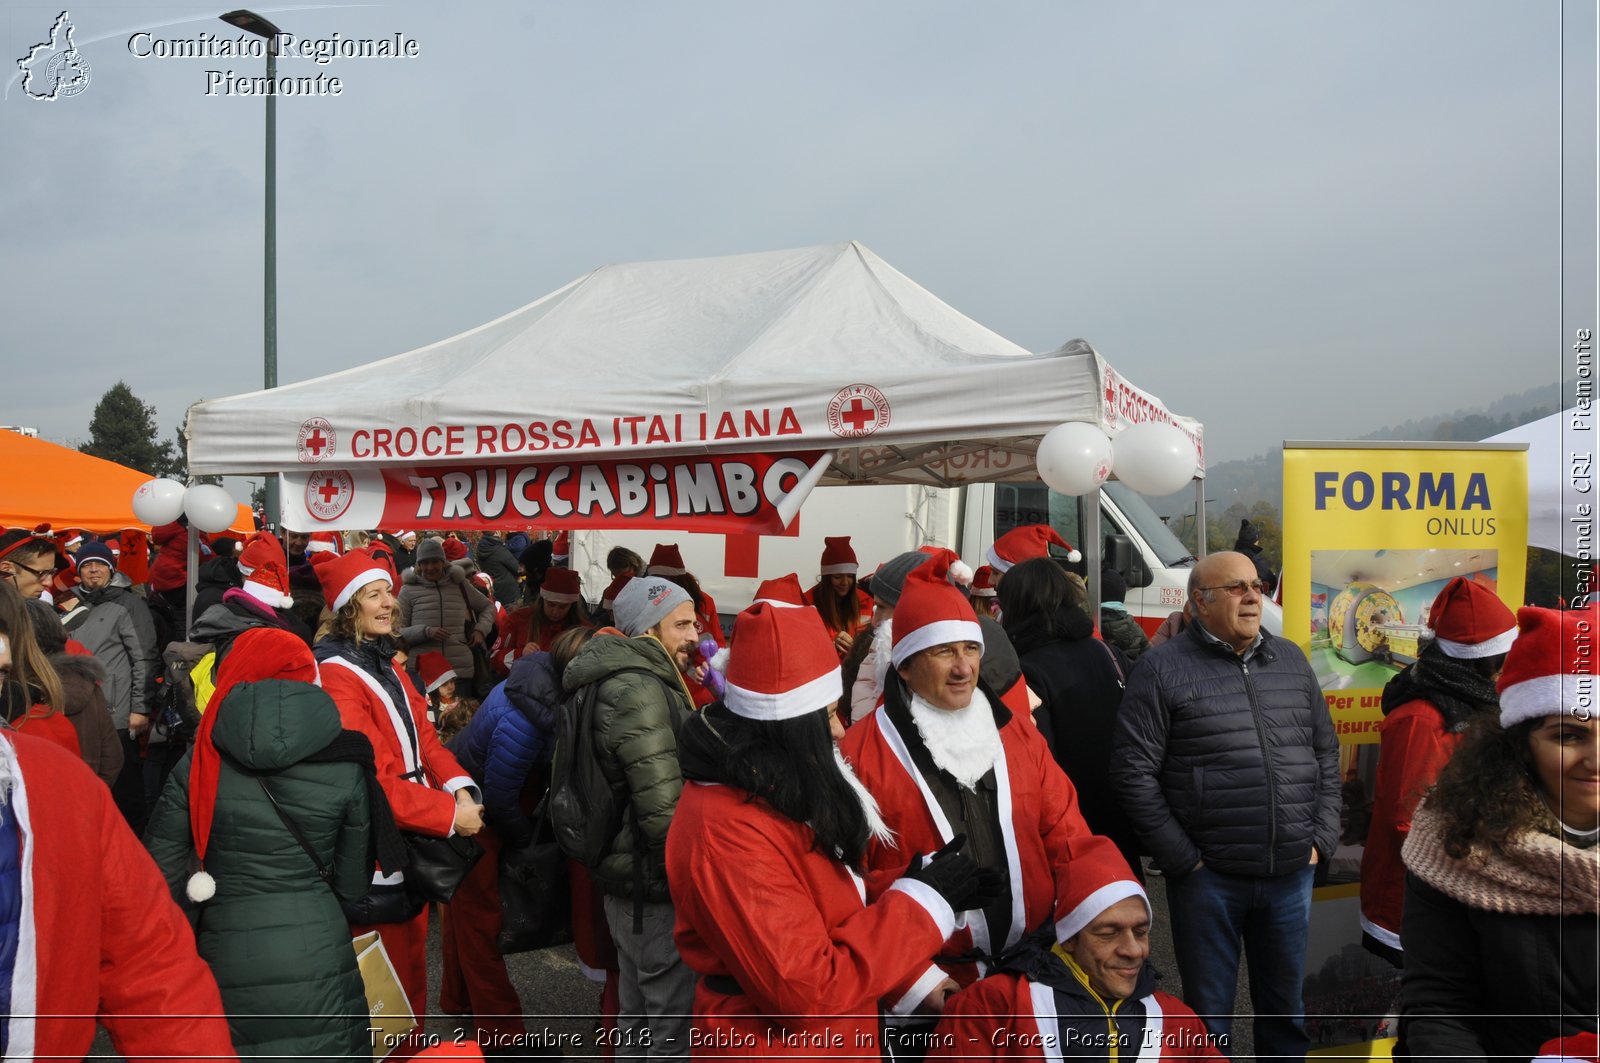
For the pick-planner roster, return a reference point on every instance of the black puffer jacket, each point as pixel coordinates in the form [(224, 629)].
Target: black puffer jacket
[(1229, 760), (503, 567)]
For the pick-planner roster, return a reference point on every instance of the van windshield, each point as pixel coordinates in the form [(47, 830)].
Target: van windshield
[(1149, 526)]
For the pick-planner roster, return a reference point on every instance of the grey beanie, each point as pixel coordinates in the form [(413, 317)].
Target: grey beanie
[(890, 579), (429, 549), (645, 602)]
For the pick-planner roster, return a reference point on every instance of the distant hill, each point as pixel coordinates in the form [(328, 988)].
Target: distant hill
[(1260, 478)]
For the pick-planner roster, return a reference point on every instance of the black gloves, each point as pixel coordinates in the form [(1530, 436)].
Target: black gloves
[(956, 878)]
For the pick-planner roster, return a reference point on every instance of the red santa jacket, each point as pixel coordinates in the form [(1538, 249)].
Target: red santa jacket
[(1412, 748), (1008, 1017), (419, 780), (757, 904), (1039, 818), (98, 932), (859, 622)]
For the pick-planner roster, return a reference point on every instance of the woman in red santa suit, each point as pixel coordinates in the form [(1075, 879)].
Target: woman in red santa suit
[(764, 862), (427, 789), (846, 609), (667, 560)]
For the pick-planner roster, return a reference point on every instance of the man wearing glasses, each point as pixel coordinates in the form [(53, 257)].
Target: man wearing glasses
[(1226, 760), (27, 561)]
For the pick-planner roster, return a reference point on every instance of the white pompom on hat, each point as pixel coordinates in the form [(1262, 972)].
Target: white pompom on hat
[(781, 665), (1550, 669)]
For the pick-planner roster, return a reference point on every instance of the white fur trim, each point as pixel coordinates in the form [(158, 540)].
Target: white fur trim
[(441, 679), (777, 604), (937, 633), (363, 578), (843, 568), (919, 991), (983, 592), (318, 546), (1383, 934), (1549, 695), (1472, 651), (869, 807), (806, 698), (22, 1025), (1046, 1020), (1151, 1043), (271, 597), (665, 570), (996, 562), (932, 902), (556, 596), (1091, 906), (201, 887), (247, 570), (719, 660)]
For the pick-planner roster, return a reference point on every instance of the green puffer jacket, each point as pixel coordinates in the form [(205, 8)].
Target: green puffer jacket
[(274, 934), (638, 717)]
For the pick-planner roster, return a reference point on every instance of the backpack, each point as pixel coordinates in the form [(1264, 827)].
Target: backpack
[(584, 808), (184, 666)]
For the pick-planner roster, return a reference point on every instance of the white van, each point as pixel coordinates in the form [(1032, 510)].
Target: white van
[(885, 521)]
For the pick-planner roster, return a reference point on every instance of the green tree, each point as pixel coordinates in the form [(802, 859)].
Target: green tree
[(123, 430)]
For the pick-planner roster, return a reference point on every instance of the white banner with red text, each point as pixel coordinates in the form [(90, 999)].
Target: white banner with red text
[(725, 493)]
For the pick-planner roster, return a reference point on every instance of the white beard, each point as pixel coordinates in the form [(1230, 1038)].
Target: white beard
[(882, 654), (869, 804), (964, 742)]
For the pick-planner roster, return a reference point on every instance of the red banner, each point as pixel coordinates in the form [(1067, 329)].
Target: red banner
[(732, 493)]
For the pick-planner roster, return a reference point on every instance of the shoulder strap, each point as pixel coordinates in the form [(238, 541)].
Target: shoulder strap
[(294, 828)]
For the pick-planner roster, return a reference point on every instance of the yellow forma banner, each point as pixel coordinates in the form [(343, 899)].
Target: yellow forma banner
[(1371, 534)]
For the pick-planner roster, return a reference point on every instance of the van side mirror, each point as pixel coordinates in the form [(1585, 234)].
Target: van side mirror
[(1122, 557)]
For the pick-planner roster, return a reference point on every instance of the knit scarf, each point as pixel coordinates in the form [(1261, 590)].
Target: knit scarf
[(1451, 686), (1538, 875)]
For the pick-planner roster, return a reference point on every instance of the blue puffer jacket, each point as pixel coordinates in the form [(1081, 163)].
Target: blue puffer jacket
[(509, 735)]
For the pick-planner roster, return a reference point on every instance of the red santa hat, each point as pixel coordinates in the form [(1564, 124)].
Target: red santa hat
[(257, 654), (932, 611), (782, 664), (341, 577), (1026, 543), (268, 583), (404, 534), (560, 548), (608, 597), (561, 585), (69, 538), (435, 669), (1578, 1048), (258, 550), (325, 542), (454, 549), (1550, 669), (1097, 878), (1470, 621), (783, 591), (666, 560), (983, 582), (837, 557)]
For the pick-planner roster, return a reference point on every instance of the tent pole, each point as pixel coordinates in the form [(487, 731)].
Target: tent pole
[(1092, 550), (191, 565), (1200, 517)]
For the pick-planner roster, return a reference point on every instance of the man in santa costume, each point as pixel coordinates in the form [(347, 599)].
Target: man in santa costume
[(764, 860), (944, 756), (90, 932), (1092, 995)]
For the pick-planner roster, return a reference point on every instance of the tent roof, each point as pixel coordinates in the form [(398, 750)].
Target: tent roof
[(774, 348), (41, 481)]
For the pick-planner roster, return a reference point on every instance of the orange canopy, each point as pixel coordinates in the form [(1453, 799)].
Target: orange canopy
[(42, 482)]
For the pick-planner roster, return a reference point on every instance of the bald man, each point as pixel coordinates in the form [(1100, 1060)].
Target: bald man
[(1226, 760)]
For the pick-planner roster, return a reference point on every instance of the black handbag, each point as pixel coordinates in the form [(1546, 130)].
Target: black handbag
[(439, 865), (535, 895)]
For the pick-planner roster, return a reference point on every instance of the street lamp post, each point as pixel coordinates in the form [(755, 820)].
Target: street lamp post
[(251, 22)]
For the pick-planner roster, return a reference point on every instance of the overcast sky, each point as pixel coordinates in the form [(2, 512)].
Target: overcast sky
[(1287, 220)]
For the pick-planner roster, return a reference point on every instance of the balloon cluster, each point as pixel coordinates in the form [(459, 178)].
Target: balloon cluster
[(162, 501), (1153, 458)]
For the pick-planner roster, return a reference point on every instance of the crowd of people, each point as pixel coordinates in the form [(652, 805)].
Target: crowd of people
[(904, 813)]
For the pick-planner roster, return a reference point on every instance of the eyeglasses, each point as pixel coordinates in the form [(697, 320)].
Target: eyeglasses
[(1237, 587), (43, 575)]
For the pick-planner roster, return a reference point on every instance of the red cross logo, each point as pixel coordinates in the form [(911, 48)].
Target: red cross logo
[(858, 410), (315, 441), (328, 495)]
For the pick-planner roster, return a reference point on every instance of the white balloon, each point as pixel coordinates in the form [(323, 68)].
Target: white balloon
[(1074, 458), (158, 501), (210, 508), (1154, 458)]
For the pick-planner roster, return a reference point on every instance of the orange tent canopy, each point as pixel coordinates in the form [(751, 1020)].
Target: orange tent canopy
[(41, 481)]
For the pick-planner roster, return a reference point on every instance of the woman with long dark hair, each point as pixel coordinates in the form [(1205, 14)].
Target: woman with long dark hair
[(1502, 905), (765, 855), (845, 608), (1079, 682), (31, 699), (427, 789)]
